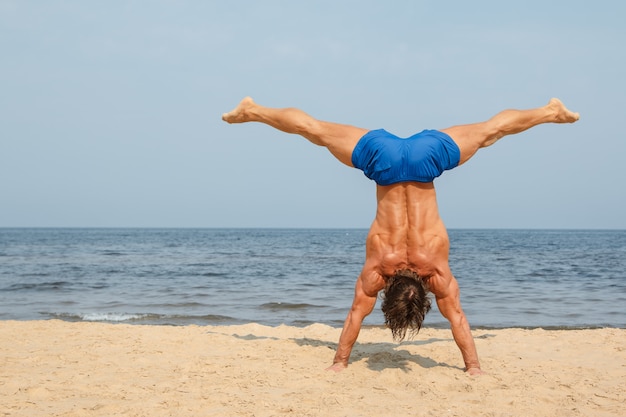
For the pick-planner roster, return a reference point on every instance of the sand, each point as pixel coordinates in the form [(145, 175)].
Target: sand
[(56, 368)]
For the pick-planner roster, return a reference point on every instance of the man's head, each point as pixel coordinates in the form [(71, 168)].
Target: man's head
[(405, 304)]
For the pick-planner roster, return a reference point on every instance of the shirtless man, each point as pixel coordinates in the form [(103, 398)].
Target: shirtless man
[(407, 246)]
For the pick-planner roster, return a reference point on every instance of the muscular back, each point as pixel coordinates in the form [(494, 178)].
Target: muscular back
[(407, 233)]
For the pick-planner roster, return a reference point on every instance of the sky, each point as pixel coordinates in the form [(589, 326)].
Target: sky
[(110, 112)]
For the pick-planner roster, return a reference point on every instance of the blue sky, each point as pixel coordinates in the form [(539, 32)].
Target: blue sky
[(110, 111)]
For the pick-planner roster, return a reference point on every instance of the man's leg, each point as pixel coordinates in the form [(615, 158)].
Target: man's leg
[(339, 139), (470, 138)]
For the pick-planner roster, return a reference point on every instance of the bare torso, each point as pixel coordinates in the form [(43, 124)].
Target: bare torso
[(407, 233)]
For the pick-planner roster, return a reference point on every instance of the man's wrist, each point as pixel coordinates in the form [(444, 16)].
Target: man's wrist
[(340, 362)]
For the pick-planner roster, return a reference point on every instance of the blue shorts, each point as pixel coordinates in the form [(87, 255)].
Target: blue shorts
[(389, 159)]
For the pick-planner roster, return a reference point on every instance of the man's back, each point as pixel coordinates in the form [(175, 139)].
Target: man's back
[(407, 232)]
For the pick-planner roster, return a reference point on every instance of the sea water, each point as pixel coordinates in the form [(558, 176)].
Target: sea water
[(508, 278)]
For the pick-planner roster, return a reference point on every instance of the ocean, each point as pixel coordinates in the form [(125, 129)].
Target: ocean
[(508, 278)]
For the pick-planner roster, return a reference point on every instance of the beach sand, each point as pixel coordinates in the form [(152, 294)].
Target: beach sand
[(56, 368)]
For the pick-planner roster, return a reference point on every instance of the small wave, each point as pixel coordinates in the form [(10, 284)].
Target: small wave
[(116, 316), (212, 274), (35, 275), (143, 318), (112, 253), (99, 286), (111, 317), (277, 306), (39, 286), (188, 304)]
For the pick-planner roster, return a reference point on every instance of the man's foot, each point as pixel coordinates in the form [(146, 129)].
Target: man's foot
[(239, 113), (562, 114)]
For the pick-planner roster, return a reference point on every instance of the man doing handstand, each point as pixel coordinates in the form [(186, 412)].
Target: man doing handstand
[(406, 251)]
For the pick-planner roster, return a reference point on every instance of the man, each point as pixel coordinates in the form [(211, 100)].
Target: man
[(407, 246)]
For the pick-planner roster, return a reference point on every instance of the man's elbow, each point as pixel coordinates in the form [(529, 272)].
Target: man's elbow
[(358, 313), (455, 316)]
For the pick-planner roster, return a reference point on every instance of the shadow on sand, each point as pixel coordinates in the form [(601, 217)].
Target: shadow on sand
[(378, 356), (384, 355)]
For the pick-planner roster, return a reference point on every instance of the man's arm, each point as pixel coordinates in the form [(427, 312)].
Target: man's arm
[(362, 306), (449, 304)]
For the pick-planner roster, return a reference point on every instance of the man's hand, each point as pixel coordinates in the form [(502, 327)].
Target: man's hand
[(337, 367)]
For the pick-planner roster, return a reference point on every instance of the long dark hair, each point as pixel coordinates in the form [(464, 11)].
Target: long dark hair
[(405, 304)]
